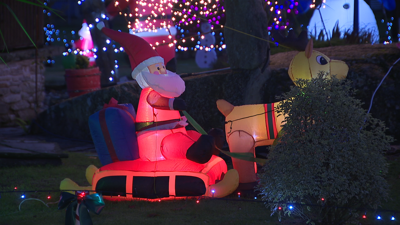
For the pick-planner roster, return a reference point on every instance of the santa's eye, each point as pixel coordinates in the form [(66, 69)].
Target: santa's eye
[(321, 60)]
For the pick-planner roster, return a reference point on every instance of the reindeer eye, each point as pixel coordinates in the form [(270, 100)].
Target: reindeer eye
[(158, 68), (321, 60)]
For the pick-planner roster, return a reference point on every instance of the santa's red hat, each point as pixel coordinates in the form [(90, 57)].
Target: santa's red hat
[(141, 54)]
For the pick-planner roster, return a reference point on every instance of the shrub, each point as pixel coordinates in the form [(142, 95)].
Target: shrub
[(331, 150)]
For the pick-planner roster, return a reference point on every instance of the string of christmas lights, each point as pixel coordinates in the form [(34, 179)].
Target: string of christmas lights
[(378, 214), (388, 32)]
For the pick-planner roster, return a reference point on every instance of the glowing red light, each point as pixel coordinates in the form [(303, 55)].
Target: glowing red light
[(48, 197), (15, 188), (364, 217), (279, 208), (159, 200), (322, 199), (197, 201)]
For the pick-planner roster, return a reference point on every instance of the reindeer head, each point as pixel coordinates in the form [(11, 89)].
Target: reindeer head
[(307, 65)]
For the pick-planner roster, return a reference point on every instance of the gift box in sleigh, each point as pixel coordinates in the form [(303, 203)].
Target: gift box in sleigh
[(126, 176)]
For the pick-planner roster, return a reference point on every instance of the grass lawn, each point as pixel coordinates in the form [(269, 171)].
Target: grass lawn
[(207, 211)]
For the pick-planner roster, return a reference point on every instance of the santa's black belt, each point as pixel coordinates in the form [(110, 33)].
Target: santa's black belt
[(147, 125)]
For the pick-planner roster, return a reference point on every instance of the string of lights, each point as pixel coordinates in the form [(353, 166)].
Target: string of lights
[(377, 214)]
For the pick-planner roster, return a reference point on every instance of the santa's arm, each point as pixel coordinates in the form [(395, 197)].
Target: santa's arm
[(159, 102)]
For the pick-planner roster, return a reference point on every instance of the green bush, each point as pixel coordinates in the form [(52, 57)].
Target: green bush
[(331, 150)]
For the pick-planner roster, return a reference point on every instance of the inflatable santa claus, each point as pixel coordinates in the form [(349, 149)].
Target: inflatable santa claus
[(161, 132)]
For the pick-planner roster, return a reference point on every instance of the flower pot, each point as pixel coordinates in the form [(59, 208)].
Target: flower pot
[(82, 81)]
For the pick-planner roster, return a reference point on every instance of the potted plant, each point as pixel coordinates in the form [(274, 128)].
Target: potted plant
[(79, 77)]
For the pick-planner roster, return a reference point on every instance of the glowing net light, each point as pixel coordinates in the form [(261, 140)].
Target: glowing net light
[(392, 218), (378, 217), (104, 49), (48, 197), (23, 196), (290, 207), (364, 216), (198, 201), (238, 194), (322, 199), (279, 208), (15, 188)]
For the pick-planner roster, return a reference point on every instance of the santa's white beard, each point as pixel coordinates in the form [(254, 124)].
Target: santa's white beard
[(169, 85)]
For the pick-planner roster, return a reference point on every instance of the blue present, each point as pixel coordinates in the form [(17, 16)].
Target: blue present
[(113, 132)]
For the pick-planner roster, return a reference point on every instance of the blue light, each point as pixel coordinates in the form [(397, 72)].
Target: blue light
[(48, 14), (213, 191), (392, 218), (72, 32), (23, 196), (255, 197), (378, 217), (182, 31), (290, 207)]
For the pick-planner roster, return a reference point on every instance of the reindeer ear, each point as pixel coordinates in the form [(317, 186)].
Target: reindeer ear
[(224, 107), (309, 48)]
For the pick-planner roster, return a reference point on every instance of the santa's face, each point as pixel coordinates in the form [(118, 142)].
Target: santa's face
[(166, 83)]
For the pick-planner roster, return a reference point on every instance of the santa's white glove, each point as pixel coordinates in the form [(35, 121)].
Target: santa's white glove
[(100, 25), (183, 121)]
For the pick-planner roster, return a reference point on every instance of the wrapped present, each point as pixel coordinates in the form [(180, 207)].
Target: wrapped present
[(113, 132)]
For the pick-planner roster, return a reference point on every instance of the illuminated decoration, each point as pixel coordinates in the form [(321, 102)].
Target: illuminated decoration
[(205, 58), (85, 44), (247, 127), (307, 65), (186, 15), (95, 201), (113, 131), (152, 22), (389, 32), (173, 162), (250, 126), (342, 11), (278, 11)]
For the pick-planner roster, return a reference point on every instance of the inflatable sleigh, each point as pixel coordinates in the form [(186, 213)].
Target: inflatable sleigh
[(127, 175)]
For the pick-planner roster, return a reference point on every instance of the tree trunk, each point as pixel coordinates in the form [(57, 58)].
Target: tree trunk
[(246, 35), (92, 9)]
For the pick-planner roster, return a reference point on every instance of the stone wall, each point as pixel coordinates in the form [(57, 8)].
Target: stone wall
[(19, 97)]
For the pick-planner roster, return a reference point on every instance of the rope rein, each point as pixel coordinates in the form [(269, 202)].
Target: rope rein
[(242, 118)]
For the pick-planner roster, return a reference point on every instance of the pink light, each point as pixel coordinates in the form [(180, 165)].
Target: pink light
[(288, 11)]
